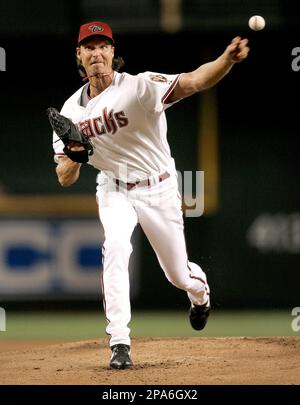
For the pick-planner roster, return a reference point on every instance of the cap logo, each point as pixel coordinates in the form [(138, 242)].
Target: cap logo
[(95, 28)]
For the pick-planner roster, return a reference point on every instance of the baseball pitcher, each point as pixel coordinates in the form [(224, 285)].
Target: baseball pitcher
[(116, 122)]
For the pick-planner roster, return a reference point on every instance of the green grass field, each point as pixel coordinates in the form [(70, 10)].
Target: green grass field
[(88, 325)]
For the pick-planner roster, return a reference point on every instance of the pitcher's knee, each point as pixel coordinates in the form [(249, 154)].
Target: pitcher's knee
[(183, 284), (187, 282)]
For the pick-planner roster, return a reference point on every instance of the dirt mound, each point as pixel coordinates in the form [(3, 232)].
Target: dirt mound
[(167, 361)]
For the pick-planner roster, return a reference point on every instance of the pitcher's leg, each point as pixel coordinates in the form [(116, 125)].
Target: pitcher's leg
[(164, 230), (119, 221)]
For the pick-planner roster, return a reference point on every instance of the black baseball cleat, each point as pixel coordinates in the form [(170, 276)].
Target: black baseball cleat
[(120, 357), (198, 316)]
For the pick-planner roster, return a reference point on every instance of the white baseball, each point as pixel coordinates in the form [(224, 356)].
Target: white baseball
[(257, 22)]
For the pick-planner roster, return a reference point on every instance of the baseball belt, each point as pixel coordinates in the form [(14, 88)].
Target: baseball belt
[(143, 183)]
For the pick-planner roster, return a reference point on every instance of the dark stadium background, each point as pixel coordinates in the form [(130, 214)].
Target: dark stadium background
[(249, 242)]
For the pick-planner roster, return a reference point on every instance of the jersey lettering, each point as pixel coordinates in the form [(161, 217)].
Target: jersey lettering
[(86, 128), (98, 125), (122, 120), (108, 122)]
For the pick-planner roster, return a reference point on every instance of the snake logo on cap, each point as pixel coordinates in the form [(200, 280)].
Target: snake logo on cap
[(95, 28)]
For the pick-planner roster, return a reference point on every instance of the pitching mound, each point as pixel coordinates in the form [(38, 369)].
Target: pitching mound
[(188, 361)]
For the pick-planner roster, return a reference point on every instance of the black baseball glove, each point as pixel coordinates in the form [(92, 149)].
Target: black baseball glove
[(67, 131)]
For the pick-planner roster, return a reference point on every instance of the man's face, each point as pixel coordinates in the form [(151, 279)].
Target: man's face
[(96, 56)]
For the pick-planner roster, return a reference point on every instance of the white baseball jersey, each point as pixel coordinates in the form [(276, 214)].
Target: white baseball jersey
[(126, 124)]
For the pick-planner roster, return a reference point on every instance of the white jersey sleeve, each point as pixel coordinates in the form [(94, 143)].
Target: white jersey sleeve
[(153, 90)]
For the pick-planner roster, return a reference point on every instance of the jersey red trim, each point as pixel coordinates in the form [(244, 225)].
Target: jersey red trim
[(169, 91)]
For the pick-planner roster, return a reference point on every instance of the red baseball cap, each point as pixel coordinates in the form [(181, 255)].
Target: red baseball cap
[(95, 28)]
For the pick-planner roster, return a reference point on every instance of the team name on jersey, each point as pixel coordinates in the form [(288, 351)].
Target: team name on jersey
[(107, 122)]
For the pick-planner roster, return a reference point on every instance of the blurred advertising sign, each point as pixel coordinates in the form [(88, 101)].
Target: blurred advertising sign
[(61, 257)]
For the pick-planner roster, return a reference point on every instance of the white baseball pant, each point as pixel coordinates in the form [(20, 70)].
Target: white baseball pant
[(158, 210)]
